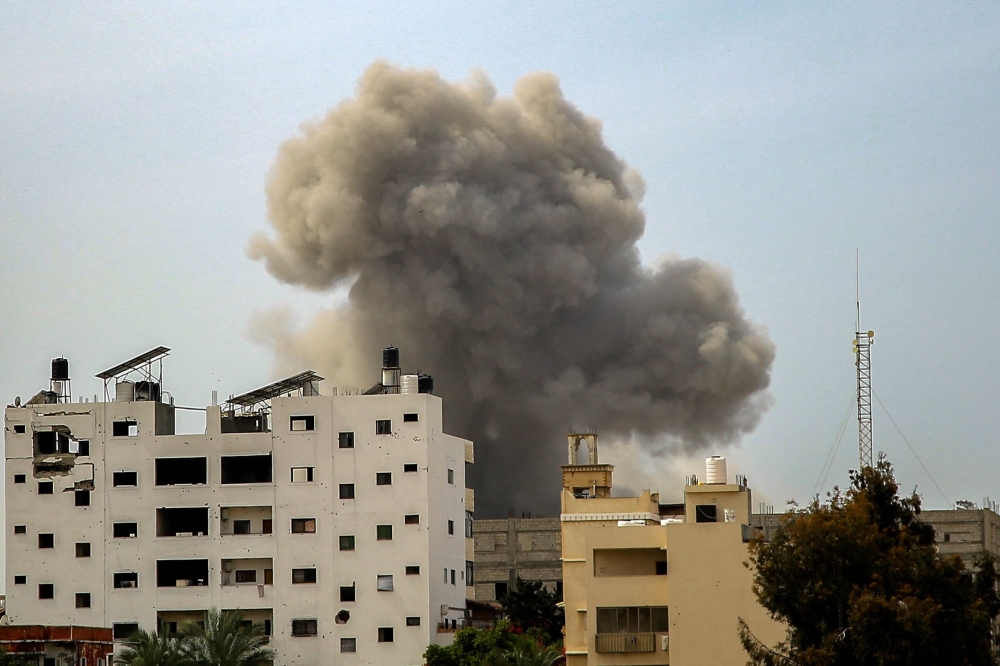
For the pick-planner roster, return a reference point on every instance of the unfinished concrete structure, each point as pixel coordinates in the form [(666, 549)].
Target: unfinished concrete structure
[(512, 548), (333, 521)]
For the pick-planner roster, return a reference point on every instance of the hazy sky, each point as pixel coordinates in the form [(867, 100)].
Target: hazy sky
[(136, 141)]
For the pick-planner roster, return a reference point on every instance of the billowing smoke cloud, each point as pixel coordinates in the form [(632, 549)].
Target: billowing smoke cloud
[(493, 240)]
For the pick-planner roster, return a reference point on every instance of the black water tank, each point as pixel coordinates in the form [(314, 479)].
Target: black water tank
[(60, 368), (425, 384), (390, 357)]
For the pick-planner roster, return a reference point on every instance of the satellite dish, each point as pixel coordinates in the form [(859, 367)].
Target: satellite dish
[(17, 401)]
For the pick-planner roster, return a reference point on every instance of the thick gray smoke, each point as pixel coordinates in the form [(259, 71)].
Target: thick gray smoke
[(493, 240)]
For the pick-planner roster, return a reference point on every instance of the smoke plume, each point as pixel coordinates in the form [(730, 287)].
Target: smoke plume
[(493, 240)]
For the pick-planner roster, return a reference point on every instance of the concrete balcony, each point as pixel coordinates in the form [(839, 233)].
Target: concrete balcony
[(247, 597), (642, 642)]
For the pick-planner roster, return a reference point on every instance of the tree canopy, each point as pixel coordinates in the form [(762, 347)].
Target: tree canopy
[(530, 606), (859, 582), (225, 640)]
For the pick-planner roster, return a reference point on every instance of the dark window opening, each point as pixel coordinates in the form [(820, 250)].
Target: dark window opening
[(451, 527), (347, 593), (348, 644), (246, 469), (347, 491), (302, 423), (410, 467), (661, 568), (412, 570), (451, 476), (413, 621), (468, 524), (20, 529), (947, 537), (469, 572), (123, 631), (45, 488), (304, 628), (383, 427), (119, 479), (347, 542), (383, 532), (346, 440), (499, 591), (19, 429), (83, 549), (126, 580), (385, 634), (83, 599), (20, 580), (46, 541), (632, 620), (20, 478), (47, 443), (383, 583), (231, 422), (181, 573), (383, 478), (182, 522), (46, 591), (125, 429), (84, 447), (303, 576), (705, 513), (302, 474), (303, 525), (241, 527), (81, 498), (452, 576), (410, 418), (559, 590), (411, 519), (181, 471), (246, 575), (125, 530)]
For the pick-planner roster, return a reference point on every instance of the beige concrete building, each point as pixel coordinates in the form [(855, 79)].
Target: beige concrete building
[(646, 583), (512, 548)]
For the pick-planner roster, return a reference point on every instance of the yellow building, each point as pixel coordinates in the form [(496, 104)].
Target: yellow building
[(646, 583)]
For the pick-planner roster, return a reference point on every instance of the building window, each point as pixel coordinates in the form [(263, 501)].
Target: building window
[(452, 576), (19, 429), (348, 644), (83, 549), (20, 478), (347, 593), (346, 491), (20, 580), (410, 467), (705, 513), (246, 469), (384, 583), (632, 620), (383, 427), (81, 497), (383, 478), (20, 529), (347, 542), (302, 423), (46, 591), (385, 634), (83, 447), (241, 527), (410, 418), (246, 575), (125, 428), (383, 532), (46, 541), (499, 591), (303, 525), (126, 580), (451, 527), (181, 471), (412, 570), (125, 530), (411, 519), (413, 621), (468, 573), (304, 627), (468, 524), (123, 631), (661, 568), (947, 537), (303, 576), (44, 487), (120, 479), (302, 475), (346, 440), (446, 575), (451, 477), (83, 599)]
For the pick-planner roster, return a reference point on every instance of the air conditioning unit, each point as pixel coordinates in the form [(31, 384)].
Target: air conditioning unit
[(664, 643)]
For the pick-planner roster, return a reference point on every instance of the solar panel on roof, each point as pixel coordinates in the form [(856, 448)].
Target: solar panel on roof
[(135, 363), (276, 389)]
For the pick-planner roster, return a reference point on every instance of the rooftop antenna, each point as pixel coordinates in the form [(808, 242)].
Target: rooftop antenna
[(863, 341)]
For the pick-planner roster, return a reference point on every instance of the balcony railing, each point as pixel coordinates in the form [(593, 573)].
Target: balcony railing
[(644, 642)]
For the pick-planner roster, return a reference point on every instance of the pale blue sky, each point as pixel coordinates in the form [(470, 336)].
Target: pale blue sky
[(135, 143)]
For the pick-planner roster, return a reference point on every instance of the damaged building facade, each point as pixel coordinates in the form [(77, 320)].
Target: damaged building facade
[(335, 522)]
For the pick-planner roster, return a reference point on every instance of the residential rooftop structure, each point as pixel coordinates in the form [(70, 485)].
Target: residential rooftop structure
[(646, 583), (511, 548), (335, 521)]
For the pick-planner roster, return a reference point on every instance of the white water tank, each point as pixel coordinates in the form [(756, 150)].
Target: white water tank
[(124, 392), (411, 384), (715, 470)]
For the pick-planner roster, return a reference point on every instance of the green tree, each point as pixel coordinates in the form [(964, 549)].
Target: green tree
[(859, 582), (482, 647), (527, 654), (530, 606), (150, 649), (225, 640)]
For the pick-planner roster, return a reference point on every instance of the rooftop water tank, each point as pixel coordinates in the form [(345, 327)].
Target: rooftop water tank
[(60, 368), (715, 470), (124, 391), (411, 384), (390, 357), (425, 384)]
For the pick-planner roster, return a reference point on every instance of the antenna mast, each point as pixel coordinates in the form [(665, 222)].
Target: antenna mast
[(862, 354)]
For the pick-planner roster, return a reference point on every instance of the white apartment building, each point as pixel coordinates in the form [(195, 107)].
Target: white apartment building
[(337, 522)]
